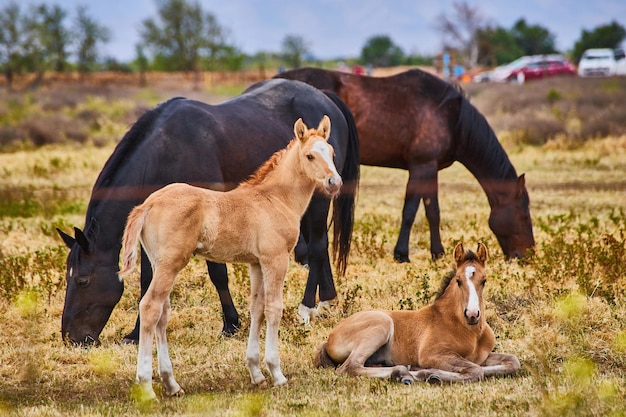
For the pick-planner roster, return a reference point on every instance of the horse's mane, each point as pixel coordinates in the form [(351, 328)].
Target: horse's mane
[(469, 256), (131, 140), (261, 173)]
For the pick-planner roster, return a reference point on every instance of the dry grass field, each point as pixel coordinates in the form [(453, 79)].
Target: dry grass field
[(563, 312)]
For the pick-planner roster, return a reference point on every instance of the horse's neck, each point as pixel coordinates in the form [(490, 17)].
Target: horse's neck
[(288, 183), (490, 165)]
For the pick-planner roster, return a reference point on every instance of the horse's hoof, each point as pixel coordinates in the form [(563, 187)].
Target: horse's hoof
[(230, 330), (437, 256), (406, 380), (323, 307), (306, 313), (401, 258), (433, 380)]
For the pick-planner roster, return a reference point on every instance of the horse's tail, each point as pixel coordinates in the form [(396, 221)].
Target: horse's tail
[(322, 360), (132, 233), (343, 205)]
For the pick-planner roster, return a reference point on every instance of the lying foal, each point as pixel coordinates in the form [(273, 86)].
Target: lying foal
[(448, 340)]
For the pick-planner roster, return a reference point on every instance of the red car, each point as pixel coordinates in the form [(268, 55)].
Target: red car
[(541, 66), (529, 68)]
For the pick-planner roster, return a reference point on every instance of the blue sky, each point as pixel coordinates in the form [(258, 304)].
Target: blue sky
[(336, 28)]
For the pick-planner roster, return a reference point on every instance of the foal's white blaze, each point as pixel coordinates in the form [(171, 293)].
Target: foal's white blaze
[(333, 180), (473, 304)]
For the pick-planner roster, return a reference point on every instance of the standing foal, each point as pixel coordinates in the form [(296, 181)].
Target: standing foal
[(448, 340), (256, 223)]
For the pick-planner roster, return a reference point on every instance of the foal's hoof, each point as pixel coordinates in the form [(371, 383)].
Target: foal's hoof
[(179, 393), (433, 380)]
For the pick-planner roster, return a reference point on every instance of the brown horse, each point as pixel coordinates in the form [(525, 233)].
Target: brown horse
[(418, 122), (256, 223), (448, 340)]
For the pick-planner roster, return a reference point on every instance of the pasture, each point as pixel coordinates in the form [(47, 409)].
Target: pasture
[(562, 313)]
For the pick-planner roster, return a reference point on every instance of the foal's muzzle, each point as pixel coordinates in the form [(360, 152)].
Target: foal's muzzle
[(472, 316), (332, 184)]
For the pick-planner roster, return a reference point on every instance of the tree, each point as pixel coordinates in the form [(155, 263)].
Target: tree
[(89, 34), (53, 36), (533, 39), (603, 36), (293, 49), (460, 31), (182, 35), (13, 40), (380, 51), (496, 46)]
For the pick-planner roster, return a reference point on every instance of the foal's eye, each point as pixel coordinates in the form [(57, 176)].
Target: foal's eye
[(310, 157), (458, 281)]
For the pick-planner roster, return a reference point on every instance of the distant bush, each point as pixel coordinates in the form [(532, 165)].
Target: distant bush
[(535, 112)]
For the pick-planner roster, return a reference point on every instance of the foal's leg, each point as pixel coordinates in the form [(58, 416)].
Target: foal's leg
[(257, 311), (364, 337), (274, 273), (165, 364), (145, 280), (501, 364), (450, 368)]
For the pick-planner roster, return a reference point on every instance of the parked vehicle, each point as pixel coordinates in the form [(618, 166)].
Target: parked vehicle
[(529, 68), (602, 62)]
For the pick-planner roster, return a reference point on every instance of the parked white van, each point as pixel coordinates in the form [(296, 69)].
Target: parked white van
[(602, 62)]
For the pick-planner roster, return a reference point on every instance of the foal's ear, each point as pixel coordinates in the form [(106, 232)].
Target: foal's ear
[(299, 128), (324, 127), (482, 253), (459, 253)]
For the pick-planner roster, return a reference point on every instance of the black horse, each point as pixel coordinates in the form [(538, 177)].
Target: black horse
[(418, 122), (206, 145)]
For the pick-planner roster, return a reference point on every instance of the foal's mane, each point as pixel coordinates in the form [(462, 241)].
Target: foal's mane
[(469, 256), (261, 173)]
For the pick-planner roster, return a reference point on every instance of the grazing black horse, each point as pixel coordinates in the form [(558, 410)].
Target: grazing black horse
[(210, 146), (418, 122)]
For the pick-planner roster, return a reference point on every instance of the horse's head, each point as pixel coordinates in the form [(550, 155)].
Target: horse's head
[(317, 155), (93, 290), (464, 291), (510, 220)]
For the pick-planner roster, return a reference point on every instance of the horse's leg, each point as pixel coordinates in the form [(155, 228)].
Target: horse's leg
[(301, 251), (422, 184), (320, 272), (501, 364), (165, 364), (145, 280), (219, 277), (257, 311), (274, 271)]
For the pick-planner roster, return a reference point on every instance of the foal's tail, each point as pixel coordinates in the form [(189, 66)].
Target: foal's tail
[(343, 205), (322, 360), (130, 241)]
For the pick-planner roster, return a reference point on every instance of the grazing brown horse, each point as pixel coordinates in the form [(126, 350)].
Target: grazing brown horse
[(418, 122), (256, 223), (448, 340)]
